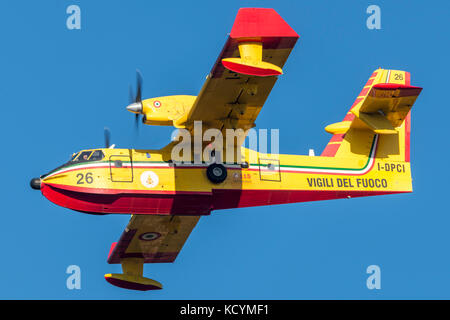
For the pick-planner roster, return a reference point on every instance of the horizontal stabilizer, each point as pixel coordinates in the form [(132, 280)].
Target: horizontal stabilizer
[(386, 106), (390, 97), (339, 127), (377, 122)]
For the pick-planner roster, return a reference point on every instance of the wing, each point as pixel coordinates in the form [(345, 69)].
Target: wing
[(245, 72), (154, 238), (148, 239)]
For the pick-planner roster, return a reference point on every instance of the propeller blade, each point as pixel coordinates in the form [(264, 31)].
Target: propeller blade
[(136, 122), (135, 101), (130, 95), (139, 82), (107, 135)]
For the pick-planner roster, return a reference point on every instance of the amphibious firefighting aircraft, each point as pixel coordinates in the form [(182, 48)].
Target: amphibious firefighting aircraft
[(368, 153)]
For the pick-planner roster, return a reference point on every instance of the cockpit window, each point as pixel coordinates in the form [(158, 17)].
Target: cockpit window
[(84, 156), (96, 155)]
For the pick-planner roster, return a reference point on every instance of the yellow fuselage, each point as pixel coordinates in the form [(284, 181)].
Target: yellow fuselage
[(148, 182)]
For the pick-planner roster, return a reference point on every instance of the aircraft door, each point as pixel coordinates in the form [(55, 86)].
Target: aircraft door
[(121, 168), (269, 169)]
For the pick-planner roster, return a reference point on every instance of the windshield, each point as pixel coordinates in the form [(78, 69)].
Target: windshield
[(90, 155), (73, 156), (78, 157), (83, 156)]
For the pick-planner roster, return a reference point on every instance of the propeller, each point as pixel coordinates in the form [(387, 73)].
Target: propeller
[(136, 99)]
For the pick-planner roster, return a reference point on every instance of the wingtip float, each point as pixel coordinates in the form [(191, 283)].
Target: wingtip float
[(368, 153), (132, 277)]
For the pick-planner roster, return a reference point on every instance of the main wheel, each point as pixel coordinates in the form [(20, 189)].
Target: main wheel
[(216, 173)]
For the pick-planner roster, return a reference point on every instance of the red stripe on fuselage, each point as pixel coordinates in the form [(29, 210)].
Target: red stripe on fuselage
[(129, 203), (123, 191), (227, 199), (189, 204)]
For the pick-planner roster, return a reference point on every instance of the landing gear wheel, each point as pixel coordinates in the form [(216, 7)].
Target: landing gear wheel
[(216, 173)]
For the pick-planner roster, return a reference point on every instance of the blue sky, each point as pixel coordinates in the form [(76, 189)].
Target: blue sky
[(60, 87)]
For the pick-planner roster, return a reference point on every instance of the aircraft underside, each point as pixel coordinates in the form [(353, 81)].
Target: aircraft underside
[(188, 203)]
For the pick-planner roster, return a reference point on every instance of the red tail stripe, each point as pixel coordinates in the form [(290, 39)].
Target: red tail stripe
[(407, 136), (358, 100), (337, 137), (364, 91), (407, 78), (330, 150), (349, 117)]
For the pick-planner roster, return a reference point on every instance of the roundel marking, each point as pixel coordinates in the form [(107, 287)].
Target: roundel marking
[(156, 104), (149, 236), (149, 179)]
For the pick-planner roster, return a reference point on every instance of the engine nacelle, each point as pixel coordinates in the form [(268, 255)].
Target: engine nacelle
[(164, 111)]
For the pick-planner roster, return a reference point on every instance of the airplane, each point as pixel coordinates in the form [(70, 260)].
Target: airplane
[(368, 153)]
